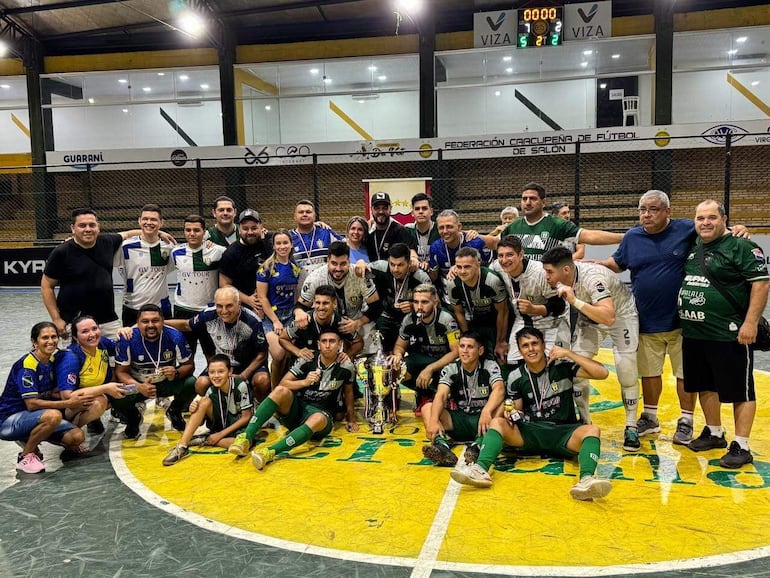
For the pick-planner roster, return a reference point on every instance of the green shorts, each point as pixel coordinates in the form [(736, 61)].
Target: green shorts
[(415, 363), (300, 411), (548, 437), (465, 426)]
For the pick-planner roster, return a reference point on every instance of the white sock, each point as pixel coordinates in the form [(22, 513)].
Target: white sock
[(651, 410), (686, 416), (743, 442), (716, 430)]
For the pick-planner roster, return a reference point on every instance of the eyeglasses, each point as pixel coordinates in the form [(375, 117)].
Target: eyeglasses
[(651, 210)]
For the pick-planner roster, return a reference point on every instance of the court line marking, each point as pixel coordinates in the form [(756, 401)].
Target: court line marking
[(426, 566)]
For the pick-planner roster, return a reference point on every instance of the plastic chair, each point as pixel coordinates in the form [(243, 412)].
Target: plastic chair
[(630, 109)]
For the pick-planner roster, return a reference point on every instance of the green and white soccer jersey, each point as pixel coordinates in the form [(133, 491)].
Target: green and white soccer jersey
[(548, 395), (197, 273), (325, 392), (144, 267), (548, 232), (392, 291), (470, 391), (532, 286), (703, 311), (219, 238), (594, 283), (432, 339), (227, 407), (352, 293), (478, 302)]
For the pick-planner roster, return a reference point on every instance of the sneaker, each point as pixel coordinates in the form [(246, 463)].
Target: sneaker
[(647, 424), (164, 402), (683, 434), (132, 431), (95, 427), (631, 441), (29, 464), (241, 445), (590, 487), (199, 440), (176, 455), (472, 453), (260, 458), (176, 419), (736, 457), (440, 455), (705, 441), (38, 453), (472, 475)]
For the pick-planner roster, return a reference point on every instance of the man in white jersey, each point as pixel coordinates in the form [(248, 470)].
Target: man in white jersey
[(143, 262), (605, 307), (535, 302), (197, 271)]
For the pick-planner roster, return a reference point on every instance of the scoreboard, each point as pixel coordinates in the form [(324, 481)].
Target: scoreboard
[(540, 27)]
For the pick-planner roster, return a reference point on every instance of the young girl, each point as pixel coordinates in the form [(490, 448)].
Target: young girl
[(277, 280), (226, 408)]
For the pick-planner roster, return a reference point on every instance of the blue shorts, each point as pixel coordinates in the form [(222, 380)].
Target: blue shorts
[(18, 426), (285, 316)]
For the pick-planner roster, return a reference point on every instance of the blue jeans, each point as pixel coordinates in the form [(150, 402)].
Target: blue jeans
[(18, 426)]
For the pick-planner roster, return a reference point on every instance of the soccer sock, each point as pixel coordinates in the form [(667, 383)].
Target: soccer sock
[(630, 402), (716, 430), (687, 416), (743, 442), (651, 410), (491, 446), (441, 440), (588, 458), (264, 412), (295, 438)]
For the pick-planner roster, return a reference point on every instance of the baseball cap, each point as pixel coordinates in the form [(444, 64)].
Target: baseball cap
[(247, 214), (380, 198)]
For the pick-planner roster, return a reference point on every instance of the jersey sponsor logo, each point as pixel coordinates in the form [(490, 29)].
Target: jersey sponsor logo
[(694, 315), (72, 379), (600, 288), (699, 300), (27, 382)]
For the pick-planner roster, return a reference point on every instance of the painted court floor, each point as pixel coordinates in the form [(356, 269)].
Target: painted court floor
[(359, 504)]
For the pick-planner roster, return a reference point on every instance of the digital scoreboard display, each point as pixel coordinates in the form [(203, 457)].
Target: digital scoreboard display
[(540, 27)]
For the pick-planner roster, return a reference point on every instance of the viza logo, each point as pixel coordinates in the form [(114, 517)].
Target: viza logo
[(591, 13), (495, 26)]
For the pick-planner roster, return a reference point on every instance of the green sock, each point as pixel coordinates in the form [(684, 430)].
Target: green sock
[(441, 440), (491, 446), (264, 412), (588, 458), (295, 438)]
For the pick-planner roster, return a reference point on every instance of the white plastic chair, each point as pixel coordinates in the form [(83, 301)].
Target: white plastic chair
[(630, 109)]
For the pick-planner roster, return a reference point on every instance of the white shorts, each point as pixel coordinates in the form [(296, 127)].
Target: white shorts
[(652, 353), (624, 334)]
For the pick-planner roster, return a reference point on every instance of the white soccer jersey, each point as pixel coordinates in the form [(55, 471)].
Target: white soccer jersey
[(351, 295), (197, 273), (144, 267), (594, 283)]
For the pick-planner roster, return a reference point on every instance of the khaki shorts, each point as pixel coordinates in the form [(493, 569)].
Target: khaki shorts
[(652, 353)]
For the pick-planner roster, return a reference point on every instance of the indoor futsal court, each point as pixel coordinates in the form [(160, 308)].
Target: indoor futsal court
[(359, 504)]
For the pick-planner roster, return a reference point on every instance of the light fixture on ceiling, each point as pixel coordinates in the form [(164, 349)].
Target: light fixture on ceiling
[(123, 80), (360, 101), (372, 68), (147, 89), (742, 39), (125, 111), (327, 80), (754, 82), (588, 52), (497, 93), (363, 97), (184, 77), (204, 86), (409, 6), (161, 74), (732, 52), (91, 101), (192, 24), (3, 49), (268, 107), (584, 64), (314, 71), (615, 56), (382, 78), (5, 86), (603, 85), (507, 58), (509, 70)]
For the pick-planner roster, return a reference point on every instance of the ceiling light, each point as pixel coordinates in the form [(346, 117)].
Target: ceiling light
[(327, 80), (615, 56), (122, 80), (411, 6), (361, 101), (509, 70), (147, 89), (742, 39), (583, 64), (373, 68), (205, 86), (161, 74), (754, 83), (382, 78), (588, 52), (603, 85), (3, 49), (5, 86), (732, 52), (497, 93), (91, 101), (192, 24), (125, 110), (184, 77), (507, 58), (314, 71), (268, 107)]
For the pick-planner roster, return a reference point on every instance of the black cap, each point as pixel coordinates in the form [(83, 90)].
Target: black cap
[(247, 214), (380, 198)]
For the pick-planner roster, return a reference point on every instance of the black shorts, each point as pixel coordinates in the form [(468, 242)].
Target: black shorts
[(725, 367)]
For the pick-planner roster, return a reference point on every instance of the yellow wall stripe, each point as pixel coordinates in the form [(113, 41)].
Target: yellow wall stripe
[(132, 60), (15, 160), (724, 18), (350, 122), (20, 124), (11, 67), (750, 96)]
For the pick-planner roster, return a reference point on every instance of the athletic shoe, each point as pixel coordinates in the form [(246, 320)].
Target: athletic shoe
[(647, 424), (176, 455), (241, 445), (440, 455), (683, 434), (472, 453), (38, 453), (176, 419), (736, 457), (29, 464), (705, 441), (590, 487), (164, 402), (472, 475), (95, 427), (132, 431), (199, 440), (260, 458), (631, 441)]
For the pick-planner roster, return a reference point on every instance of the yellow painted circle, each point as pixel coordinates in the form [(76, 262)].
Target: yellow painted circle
[(662, 138), (426, 150), (373, 495)]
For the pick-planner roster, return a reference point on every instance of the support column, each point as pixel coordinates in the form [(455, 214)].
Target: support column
[(427, 39), (664, 66)]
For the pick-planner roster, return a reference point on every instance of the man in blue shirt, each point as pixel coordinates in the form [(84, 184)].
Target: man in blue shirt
[(443, 251)]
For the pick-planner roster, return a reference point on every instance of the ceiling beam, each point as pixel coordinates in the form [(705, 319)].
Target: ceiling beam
[(57, 6)]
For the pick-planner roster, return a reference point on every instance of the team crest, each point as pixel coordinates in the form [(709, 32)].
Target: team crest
[(167, 355), (600, 288), (555, 387), (319, 243), (140, 357), (484, 391), (27, 381), (758, 255)]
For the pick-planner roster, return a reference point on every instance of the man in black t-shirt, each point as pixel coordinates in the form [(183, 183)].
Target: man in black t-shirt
[(387, 232), (240, 262), (82, 268)]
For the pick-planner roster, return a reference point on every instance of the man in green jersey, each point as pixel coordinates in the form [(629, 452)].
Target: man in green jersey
[(717, 358), (543, 417), (474, 389)]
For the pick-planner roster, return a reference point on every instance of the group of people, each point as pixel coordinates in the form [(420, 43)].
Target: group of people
[(496, 333)]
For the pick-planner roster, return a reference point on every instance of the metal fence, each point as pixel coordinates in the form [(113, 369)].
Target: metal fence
[(602, 187)]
